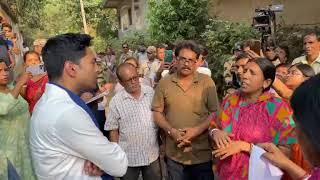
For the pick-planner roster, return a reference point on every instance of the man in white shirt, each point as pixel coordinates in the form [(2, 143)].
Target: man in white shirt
[(150, 68), (311, 46), (131, 124), (65, 140)]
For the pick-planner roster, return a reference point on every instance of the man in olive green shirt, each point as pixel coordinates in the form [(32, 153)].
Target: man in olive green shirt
[(181, 106)]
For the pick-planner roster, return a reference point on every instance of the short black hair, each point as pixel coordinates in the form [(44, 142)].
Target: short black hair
[(3, 61), (204, 51), (305, 103), (29, 52), (286, 50), (267, 68), (161, 46), (305, 69), (6, 62), (188, 44), (270, 44), (170, 46), (312, 33), (242, 56), (7, 25), (62, 48), (283, 65), (120, 67), (254, 44)]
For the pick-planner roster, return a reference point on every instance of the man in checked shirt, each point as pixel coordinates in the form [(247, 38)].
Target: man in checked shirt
[(131, 124)]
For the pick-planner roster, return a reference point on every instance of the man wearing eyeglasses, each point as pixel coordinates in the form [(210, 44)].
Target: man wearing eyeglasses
[(181, 106), (126, 52), (131, 124)]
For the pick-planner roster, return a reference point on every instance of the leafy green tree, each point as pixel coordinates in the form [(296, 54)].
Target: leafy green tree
[(220, 37), (171, 20), (46, 18), (28, 14)]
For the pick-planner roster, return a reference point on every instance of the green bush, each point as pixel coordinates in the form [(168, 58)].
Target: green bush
[(137, 38), (172, 20), (220, 37)]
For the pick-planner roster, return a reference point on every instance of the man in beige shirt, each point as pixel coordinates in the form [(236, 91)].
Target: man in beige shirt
[(181, 106), (150, 68), (311, 46)]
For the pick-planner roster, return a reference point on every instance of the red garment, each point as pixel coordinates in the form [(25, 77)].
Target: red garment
[(35, 90)]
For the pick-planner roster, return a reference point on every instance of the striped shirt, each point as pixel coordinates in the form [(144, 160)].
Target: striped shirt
[(137, 130)]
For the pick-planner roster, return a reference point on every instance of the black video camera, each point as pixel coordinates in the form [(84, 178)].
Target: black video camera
[(264, 20)]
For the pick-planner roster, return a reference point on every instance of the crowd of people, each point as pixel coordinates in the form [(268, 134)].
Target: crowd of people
[(154, 113)]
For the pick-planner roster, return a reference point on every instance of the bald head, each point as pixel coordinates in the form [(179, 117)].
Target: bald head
[(151, 53), (129, 79), (124, 70)]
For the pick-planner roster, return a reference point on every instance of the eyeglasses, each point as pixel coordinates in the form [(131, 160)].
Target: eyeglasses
[(133, 79), (125, 47), (185, 60)]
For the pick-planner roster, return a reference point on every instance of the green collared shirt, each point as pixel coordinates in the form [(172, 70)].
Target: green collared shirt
[(184, 109)]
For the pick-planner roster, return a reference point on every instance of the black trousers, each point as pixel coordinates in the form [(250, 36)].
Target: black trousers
[(179, 171)]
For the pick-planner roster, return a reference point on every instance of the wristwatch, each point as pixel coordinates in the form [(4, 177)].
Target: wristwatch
[(211, 132)]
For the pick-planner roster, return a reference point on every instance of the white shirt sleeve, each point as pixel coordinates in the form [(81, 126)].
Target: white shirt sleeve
[(112, 121), (77, 131)]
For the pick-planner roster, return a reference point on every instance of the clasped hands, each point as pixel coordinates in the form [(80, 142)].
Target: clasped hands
[(224, 146), (183, 137)]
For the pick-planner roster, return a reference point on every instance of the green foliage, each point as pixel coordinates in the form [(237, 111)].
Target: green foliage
[(171, 20), (28, 14), (220, 37), (46, 18), (137, 38)]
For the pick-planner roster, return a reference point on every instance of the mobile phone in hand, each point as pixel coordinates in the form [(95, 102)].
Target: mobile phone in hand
[(166, 65), (36, 69), (168, 56)]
